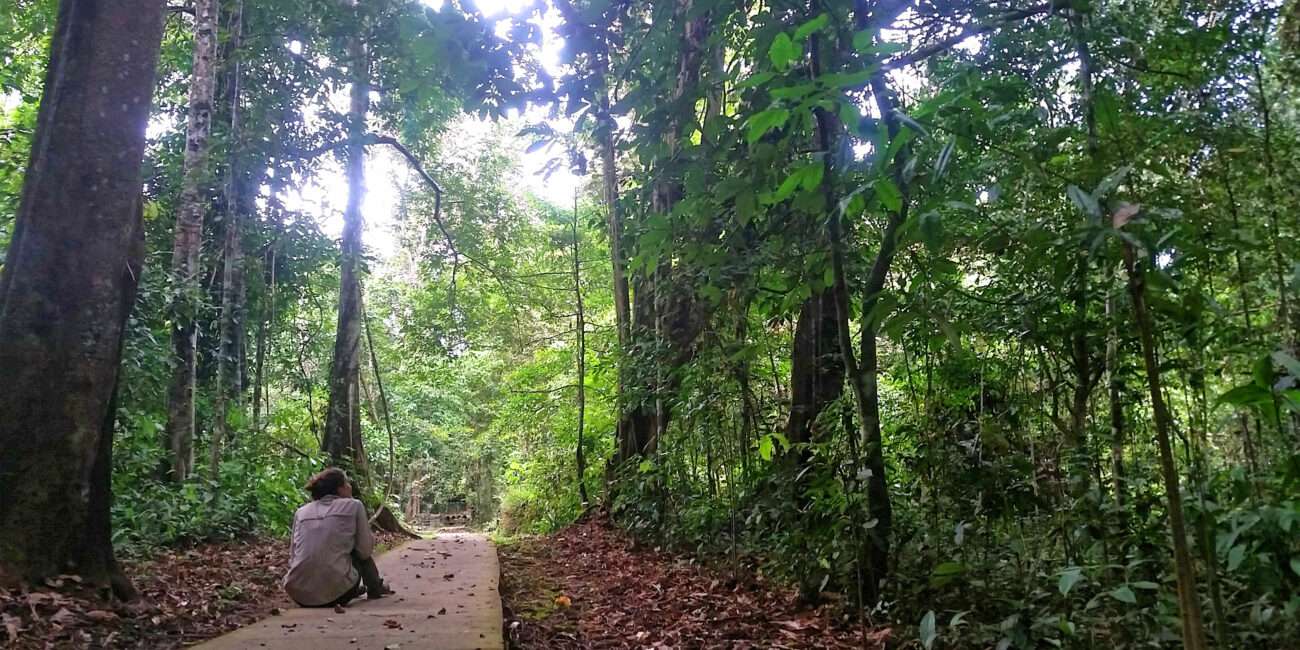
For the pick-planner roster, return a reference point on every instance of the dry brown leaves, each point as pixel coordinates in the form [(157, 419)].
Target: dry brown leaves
[(619, 597), (186, 596)]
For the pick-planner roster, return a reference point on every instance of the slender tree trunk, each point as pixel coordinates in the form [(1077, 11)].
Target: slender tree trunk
[(237, 204), (1247, 446), (1114, 390), (626, 439), (1080, 350), (581, 328), (864, 378), (867, 397), (67, 286), (263, 334), (622, 314), (187, 300), (1189, 605), (1197, 445), (609, 165), (342, 439)]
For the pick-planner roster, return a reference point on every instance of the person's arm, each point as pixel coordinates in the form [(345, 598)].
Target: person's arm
[(363, 543)]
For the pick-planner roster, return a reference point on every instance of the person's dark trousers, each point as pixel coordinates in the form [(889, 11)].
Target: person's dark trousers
[(369, 574), (369, 577)]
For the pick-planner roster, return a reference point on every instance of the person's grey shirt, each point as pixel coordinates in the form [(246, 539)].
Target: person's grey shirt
[(325, 534)]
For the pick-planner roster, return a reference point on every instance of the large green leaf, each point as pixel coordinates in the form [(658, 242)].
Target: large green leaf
[(1068, 579), (811, 26), (888, 195), (1123, 594), (763, 121), (927, 631)]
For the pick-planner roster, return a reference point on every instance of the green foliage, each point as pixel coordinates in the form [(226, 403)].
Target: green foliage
[(764, 160)]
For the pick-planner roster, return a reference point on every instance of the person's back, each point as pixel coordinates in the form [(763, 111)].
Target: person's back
[(330, 551)]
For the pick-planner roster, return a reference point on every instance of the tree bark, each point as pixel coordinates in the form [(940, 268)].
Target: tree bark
[(609, 165), (664, 311), (581, 328), (816, 372), (263, 332), (342, 439), (1114, 390), (1080, 350), (864, 380), (237, 206), (66, 289), (1189, 606), (187, 300)]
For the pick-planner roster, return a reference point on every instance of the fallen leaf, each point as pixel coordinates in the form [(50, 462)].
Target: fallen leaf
[(11, 627), (63, 617), (338, 609)]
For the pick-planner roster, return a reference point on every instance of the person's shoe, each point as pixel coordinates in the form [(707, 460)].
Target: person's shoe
[(384, 590)]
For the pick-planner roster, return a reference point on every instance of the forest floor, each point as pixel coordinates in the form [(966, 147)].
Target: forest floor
[(186, 596), (587, 586)]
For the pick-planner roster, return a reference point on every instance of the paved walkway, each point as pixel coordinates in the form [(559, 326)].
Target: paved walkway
[(446, 600)]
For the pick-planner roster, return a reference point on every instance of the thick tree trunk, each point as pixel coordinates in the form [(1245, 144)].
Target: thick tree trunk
[(1189, 605), (664, 311), (342, 440), (188, 244), (816, 373), (66, 288)]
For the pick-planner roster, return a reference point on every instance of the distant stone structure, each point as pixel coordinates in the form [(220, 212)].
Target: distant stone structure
[(454, 512)]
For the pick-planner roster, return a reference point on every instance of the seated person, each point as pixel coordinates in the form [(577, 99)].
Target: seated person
[(330, 557)]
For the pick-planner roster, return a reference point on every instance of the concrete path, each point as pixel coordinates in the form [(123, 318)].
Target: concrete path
[(446, 599)]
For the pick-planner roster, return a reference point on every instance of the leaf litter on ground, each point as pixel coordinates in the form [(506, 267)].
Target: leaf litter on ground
[(587, 586), (185, 596)]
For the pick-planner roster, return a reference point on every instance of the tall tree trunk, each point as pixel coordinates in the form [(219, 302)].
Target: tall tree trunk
[(342, 440), (1189, 606), (66, 289), (581, 328), (263, 332), (664, 310), (864, 380), (1247, 447), (1113, 391), (187, 300), (609, 165), (606, 136), (237, 206), (1080, 349)]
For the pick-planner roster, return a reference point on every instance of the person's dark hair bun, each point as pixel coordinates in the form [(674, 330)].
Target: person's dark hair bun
[(326, 482)]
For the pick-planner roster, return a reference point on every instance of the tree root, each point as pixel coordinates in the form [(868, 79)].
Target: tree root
[(386, 520)]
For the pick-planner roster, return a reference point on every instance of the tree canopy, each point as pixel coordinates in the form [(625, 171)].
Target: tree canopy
[(979, 318)]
